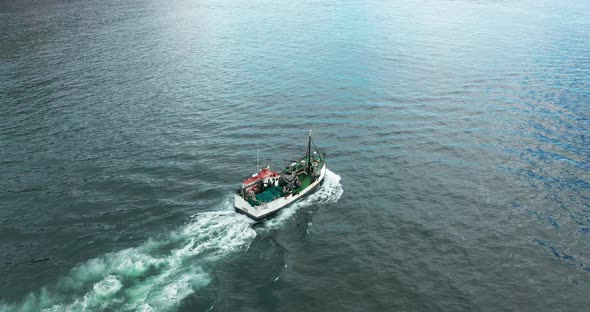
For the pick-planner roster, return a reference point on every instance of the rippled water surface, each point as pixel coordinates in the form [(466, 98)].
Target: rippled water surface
[(457, 133)]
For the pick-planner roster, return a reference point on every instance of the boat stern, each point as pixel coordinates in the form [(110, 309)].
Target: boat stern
[(242, 206)]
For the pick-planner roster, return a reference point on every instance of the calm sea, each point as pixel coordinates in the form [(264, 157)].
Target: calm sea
[(457, 134)]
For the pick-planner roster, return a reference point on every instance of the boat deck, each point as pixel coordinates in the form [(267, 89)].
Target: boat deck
[(305, 182)]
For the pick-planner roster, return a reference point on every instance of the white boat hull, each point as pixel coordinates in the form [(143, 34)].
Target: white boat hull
[(267, 209)]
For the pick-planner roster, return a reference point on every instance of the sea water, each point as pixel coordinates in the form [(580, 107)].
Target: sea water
[(456, 132)]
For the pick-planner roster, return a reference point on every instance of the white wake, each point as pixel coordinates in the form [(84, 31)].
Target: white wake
[(159, 274)]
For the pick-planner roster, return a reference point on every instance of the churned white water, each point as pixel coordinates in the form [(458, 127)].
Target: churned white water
[(159, 274)]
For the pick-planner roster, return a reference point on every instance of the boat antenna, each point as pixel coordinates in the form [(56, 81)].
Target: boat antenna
[(257, 158)]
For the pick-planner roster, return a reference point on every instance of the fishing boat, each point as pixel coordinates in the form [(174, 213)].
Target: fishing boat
[(268, 191)]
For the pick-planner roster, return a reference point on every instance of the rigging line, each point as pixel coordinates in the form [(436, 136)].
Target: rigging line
[(315, 147)]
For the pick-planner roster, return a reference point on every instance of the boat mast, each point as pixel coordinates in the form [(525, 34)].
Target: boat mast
[(308, 169)]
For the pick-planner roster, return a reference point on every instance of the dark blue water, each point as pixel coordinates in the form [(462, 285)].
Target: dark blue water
[(457, 133)]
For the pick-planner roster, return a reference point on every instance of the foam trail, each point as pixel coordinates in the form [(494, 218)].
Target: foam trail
[(159, 274), (155, 276)]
